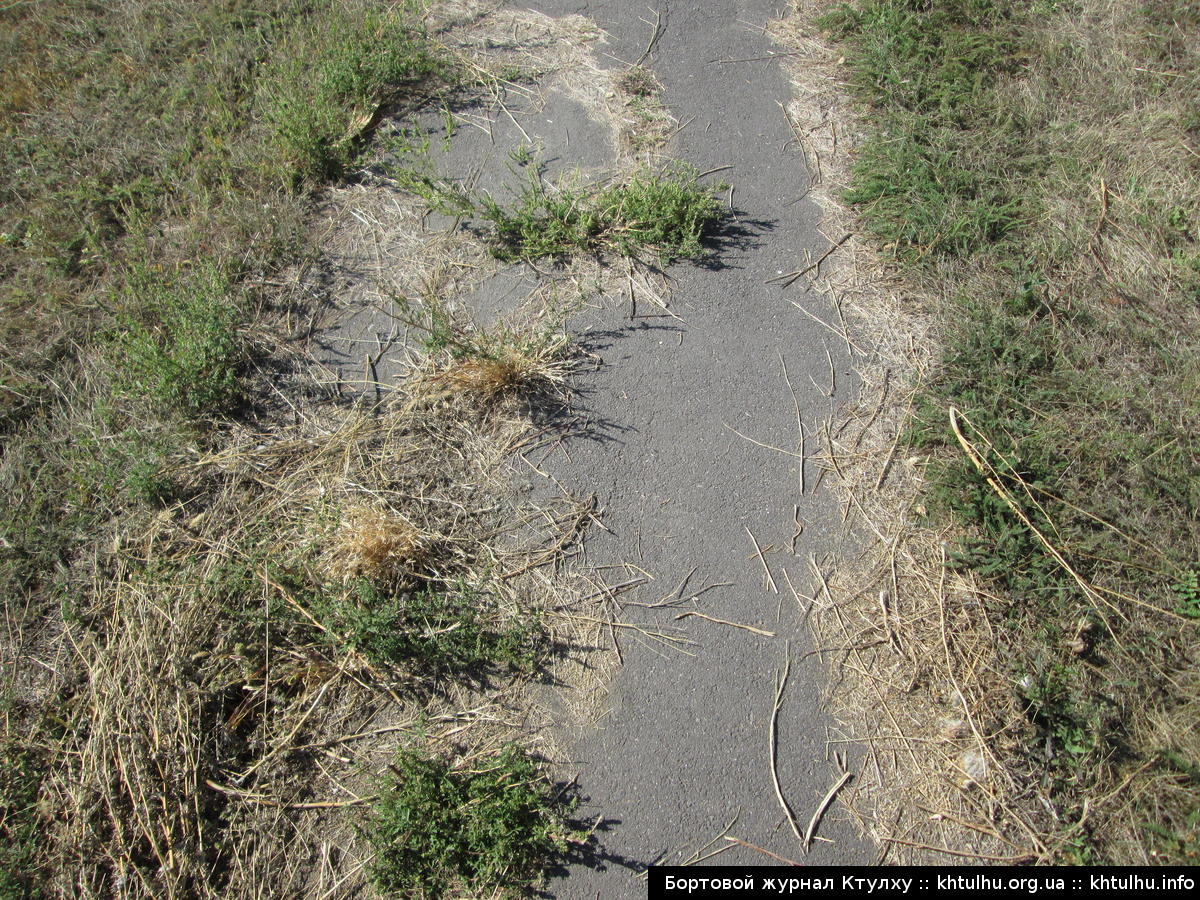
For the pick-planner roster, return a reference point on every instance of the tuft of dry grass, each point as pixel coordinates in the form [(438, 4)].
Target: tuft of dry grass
[(376, 545), (486, 378), (486, 371)]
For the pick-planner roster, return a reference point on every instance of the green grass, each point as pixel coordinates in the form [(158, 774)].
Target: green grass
[(668, 213), (127, 236), (1034, 164), (20, 821), (186, 352), (325, 92), (917, 196), (455, 630), (497, 825)]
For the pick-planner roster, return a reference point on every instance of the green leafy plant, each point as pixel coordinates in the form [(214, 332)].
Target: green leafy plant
[(458, 629), (521, 155), (667, 212), (186, 355), (1187, 589), (438, 829), (439, 194), (320, 104)]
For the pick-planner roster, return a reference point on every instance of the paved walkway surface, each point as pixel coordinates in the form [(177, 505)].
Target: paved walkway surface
[(684, 750)]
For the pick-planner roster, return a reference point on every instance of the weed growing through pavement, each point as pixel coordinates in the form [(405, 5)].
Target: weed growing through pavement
[(485, 365), (641, 98), (667, 213)]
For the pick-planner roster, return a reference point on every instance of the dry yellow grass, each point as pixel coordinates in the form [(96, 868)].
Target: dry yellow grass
[(493, 369), (376, 545)]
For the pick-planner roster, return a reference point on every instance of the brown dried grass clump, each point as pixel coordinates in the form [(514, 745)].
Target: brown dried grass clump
[(510, 370), (489, 368), (377, 545), (486, 378)]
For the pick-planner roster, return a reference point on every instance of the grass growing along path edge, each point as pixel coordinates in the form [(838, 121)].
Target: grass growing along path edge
[(160, 580), (1034, 169)]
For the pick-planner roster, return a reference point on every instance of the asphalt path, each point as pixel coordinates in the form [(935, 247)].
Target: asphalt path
[(683, 752)]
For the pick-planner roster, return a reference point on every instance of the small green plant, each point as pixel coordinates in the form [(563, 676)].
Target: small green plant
[(1187, 589), (407, 140), (459, 629), (521, 155), (129, 464), (186, 355), (439, 330), (439, 194), (146, 481), (449, 125), (667, 212), (438, 829), (1059, 705), (1077, 848)]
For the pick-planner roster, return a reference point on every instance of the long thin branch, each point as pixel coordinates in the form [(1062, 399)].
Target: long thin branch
[(787, 666)]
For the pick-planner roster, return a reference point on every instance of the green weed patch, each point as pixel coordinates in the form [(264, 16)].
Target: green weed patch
[(20, 820), (319, 103), (666, 213), (457, 630), (186, 356), (496, 825)]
